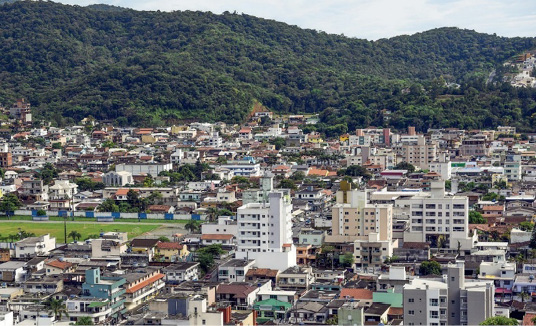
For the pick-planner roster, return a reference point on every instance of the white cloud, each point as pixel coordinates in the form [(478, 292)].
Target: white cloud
[(371, 19)]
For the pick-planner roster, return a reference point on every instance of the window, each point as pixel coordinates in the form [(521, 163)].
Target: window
[(411, 312), (411, 300), (434, 314), (434, 302)]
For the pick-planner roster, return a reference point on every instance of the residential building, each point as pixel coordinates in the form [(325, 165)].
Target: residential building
[(108, 288), (234, 270), (452, 301), (265, 233), (34, 246), (142, 286), (181, 271)]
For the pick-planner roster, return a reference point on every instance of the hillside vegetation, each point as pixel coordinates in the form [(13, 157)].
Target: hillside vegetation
[(149, 67)]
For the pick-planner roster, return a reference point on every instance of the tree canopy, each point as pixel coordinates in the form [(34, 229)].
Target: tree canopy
[(151, 68)]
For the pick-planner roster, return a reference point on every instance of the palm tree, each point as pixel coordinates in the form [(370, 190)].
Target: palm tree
[(57, 308), (84, 320), (524, 295), (75, 235), (212, 213), (192, 226)]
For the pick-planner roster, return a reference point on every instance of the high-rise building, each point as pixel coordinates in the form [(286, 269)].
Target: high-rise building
[(265, 232), (353, 218), (437, 218), (451, 301)]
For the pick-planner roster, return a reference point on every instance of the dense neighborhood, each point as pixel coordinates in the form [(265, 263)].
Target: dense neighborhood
[(264, 223)]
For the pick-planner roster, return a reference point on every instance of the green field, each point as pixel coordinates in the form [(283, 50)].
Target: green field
[(93, 219), (85, 229)]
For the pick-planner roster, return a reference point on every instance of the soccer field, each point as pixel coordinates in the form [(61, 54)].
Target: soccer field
[(55, 229)]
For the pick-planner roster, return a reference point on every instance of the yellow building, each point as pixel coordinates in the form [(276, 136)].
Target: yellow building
[(148, 139), (171, 251)]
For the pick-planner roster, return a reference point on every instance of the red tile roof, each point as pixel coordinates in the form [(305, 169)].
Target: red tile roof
[(362, 294), (63, 265)]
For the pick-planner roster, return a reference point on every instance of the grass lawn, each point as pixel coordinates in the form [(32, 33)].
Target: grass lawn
[(85, 229)]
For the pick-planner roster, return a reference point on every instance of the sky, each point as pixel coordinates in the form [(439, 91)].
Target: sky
[(369, 19)]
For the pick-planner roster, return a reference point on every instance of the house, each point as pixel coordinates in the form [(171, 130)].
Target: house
[(34, 246), (142, 286), (144, 246), (13, 271), (101, 248), (239, 295), (234, 270), (223, 239), (49, 285), (58, 267), (171, 251), (181, 271), (271, 309), (296, 278), (309, 312)]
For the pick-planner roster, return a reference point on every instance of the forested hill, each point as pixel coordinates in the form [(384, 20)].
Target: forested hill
[(149, 67)]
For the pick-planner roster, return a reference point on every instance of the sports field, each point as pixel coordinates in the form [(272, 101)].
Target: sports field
[(55, 229)]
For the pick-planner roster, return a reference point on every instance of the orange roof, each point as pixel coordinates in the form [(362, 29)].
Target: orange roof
[(169, 245), (123, 191), (320, 172), (395, 311), (363, 294), (287, 245), (59, 264), (493, 208), (143, 284), (217, 237)]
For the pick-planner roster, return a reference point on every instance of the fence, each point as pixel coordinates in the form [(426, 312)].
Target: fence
[(114, 215)]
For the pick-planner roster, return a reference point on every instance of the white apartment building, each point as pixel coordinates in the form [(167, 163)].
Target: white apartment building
[(34, 246), (234, 270), (117, 179), (441, 166), (265, 233), (62, 189), (433, 215)]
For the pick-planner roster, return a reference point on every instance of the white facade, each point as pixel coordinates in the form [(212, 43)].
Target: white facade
[(434, 214), (265, 233), (117, 179), (144, 168), (34, 246), (225, 225)]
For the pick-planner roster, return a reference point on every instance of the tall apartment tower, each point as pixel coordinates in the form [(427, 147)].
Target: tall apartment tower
[(265, 232), (353, 218)]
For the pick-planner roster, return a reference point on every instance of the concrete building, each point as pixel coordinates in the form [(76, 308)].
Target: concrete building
[(107, 288), (117, 179), (34, 246), (373, 252), (419, 153), (234, 270), (439, 219), (152, 169), (265, 233), (355, 218), (452, 301)]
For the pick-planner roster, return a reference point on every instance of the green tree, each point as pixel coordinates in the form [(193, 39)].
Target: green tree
[(355, 171), (298, 176), (56, 307), (75, 235), (476, 218), (108, 205), (163, 239), (41, 212), (499, 320), (9, 204), (48, 173), (214, 250), (526, 226), (287, 184), (278, 142), (221, 160), (430, 267), (348, 259), (84, 321), (193, 226), (405, 166)]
